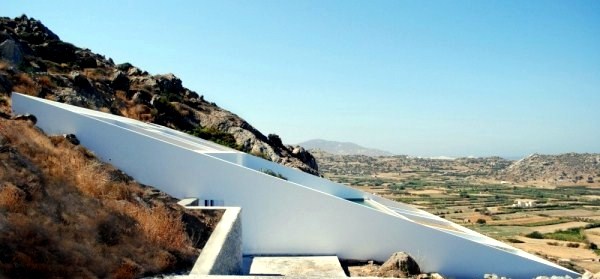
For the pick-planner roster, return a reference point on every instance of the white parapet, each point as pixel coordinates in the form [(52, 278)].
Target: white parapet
[(303, 215)]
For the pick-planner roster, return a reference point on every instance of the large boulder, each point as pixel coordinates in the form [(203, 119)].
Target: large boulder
[(304, 156), (10, 51), (81, 81), (169, 83), (56, 51), (85, 60), (5, 84), (119, 81), (399, 264)]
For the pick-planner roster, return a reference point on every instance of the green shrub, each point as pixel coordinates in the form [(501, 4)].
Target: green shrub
[(272, 173), (574, 235), (535, 234), (216, 136), (514, 240)]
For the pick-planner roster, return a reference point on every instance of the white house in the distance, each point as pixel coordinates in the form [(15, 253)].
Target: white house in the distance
[(303, 215), (524, 203)]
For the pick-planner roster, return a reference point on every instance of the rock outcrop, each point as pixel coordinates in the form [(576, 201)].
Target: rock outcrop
[(35, 61), (399, 265)]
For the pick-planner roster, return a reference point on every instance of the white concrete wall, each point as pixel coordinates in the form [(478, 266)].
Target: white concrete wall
[(222, 254), (284, 217), (293, 175)]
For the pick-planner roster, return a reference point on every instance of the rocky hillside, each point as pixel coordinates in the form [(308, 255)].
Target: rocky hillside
[(569, 168), (65, 213), (36, 62), (342, 148)]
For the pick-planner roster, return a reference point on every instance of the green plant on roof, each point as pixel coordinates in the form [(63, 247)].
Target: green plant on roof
[(273, 173)]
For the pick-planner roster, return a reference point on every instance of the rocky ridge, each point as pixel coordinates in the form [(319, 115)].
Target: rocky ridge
[(36, 62), (564, 168)]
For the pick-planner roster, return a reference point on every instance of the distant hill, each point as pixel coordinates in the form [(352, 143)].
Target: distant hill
[(568, 168), (536, 169), (342, 148)]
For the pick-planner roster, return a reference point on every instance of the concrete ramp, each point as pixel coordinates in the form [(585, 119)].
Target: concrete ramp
[(309, 266)]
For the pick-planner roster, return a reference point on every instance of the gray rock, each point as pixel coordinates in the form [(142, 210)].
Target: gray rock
[(26, 117), (169, 83), (87, 62), (124, 66), (141, 97), (134, 71), (400, 264), (5, 84), (57, 51), (71, 138), (119, 81), (81, 81), (10, 51)]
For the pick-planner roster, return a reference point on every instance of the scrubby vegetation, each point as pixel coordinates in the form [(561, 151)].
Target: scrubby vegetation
[(574, 234), (273, 173), (215, 135), (64, 213)]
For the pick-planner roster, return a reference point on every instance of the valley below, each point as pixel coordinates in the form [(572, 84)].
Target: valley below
[(548, 205)]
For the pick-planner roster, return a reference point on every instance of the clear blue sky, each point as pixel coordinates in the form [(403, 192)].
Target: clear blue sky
[(426, 78)]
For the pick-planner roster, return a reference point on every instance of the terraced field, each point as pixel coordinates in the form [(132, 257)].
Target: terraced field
[(488, 208)]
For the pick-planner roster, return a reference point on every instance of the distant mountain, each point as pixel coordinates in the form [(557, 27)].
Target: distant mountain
[(342, 148)]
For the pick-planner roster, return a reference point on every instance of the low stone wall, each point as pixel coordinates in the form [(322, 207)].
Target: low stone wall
[(222, 254)]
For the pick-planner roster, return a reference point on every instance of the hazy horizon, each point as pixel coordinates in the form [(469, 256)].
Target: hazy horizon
[(432, 78), (505, 156)]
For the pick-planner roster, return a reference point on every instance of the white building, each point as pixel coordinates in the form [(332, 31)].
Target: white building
[(524, 203), (303, 215)]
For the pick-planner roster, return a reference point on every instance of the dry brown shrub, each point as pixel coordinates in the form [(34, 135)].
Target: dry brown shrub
[(95, 74), (4, 65), (24, 84), (163, 260), (12, 198), (85, 220), (139, 112), (128, 269), (46, 82), (159, 225), (120, 94)]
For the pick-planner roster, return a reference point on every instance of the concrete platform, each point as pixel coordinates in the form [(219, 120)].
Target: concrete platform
[(309, 266)]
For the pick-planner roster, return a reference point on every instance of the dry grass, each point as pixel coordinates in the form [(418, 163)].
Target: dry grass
[(64, 212), (558, 250), (139, 112), (4, 65), (95, 74), (12, 198), (46, 82), (158, 224), (23, 83)]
